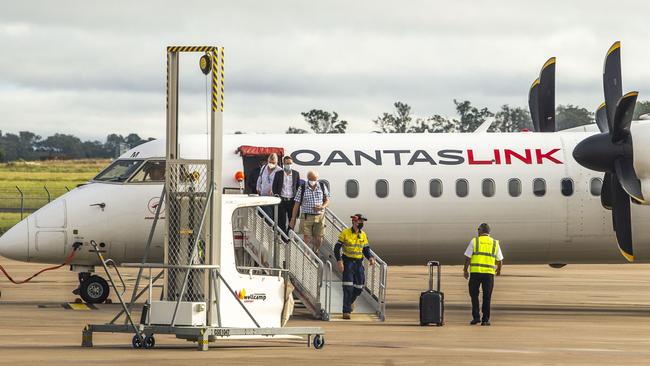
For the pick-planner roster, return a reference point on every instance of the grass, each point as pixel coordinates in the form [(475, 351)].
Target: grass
[(7, 220), (32, 177)]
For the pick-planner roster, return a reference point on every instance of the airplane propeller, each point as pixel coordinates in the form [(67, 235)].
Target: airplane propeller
[(541, 99), (611, 151)]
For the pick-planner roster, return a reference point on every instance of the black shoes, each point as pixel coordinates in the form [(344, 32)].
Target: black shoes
[(474, 322), (485, 323)]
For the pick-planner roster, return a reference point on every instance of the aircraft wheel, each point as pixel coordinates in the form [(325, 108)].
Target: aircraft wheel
[(94, 290)]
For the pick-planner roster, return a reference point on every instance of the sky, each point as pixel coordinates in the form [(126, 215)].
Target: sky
[(94, 68)]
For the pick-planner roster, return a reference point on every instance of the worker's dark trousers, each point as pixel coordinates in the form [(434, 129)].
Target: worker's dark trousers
[(285, 209), (353, 281), (486, 281)]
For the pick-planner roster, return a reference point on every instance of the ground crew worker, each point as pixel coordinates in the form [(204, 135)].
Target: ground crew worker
[(354, 244), (484, 258)]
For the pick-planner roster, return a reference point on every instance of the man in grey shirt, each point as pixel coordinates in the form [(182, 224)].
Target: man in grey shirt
[(265, 181)]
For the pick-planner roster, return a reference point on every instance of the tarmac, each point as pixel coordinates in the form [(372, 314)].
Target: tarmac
[(577, 315)]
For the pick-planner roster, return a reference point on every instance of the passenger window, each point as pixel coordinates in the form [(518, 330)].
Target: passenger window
[(409, 188), (567, 187), (595, 186), (435, 188), (462, 188), (539, 187), (381, 188), (152, 171), (514, 187), (352, 188), (488, 187)]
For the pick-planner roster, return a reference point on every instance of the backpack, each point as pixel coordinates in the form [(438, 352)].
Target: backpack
[(304, 187)]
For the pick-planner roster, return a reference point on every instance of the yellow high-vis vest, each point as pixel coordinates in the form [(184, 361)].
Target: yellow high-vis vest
[(484, 256), (353, 243)]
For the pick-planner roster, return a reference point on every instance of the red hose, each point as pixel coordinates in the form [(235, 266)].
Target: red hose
[(75, 247)]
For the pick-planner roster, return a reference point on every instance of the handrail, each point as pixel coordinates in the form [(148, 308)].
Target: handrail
[(111, 262), (262, 269), (306, 251), (283, 250), (176, 266)]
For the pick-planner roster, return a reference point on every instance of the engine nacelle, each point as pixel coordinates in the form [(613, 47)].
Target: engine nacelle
[(641, 145)]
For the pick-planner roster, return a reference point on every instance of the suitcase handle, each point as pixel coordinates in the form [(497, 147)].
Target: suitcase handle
[(432, 264)]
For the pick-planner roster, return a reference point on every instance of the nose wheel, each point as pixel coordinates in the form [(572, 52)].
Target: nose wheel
[(93, 289)]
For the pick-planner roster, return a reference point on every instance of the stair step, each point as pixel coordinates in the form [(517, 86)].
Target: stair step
[(338, 317)]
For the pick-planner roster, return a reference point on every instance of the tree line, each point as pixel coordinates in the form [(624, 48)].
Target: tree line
[(29, 146), (468, 118)]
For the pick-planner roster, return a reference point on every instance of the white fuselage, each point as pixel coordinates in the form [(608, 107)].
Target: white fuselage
[(552, 228)]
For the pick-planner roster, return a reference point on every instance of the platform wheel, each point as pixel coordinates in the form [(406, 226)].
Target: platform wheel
[(136, 342), (319, 341), (149, 342)]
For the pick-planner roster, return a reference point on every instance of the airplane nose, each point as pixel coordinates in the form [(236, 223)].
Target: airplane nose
[(14, 243)]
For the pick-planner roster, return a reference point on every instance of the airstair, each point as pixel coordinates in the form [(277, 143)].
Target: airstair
[(316, 280)]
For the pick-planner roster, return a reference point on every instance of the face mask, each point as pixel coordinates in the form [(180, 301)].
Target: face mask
[(312, 183), (360, 225), (271, 165), (287, 168)]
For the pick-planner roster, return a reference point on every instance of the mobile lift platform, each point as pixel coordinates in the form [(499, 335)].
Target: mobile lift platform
[(205, 295)]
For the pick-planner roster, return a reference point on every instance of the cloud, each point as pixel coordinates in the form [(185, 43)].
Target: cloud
[(89, 69)]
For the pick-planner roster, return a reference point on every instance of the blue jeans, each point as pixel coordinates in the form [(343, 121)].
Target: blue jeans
[(354, 279)]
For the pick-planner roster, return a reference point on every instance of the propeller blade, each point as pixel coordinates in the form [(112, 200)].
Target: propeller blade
[(623, 117), (533, 104), (621, 219), (606, 192), (547, 96), (601, 118), (627, 178), (612, 82)]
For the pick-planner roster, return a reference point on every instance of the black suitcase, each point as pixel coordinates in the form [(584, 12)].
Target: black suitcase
[(432, 302)]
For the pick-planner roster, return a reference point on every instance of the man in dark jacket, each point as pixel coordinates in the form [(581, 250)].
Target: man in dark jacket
[(285, 185)]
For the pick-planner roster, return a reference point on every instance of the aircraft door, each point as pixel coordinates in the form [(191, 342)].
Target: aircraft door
[(49, 239), (89, 210), (253, 158)]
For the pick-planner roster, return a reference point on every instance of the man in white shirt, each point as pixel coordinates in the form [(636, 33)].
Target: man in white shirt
[(285, 186), (483, 257)]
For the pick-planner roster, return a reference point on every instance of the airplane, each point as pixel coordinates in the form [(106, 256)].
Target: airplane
[(424, 194)]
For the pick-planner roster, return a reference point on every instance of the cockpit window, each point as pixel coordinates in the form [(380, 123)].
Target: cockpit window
[(152, 171), (119, 171)]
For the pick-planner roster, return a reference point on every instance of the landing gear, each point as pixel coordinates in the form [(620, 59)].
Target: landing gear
[(92, 289)]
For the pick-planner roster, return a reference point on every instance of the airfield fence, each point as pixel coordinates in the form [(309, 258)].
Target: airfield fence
[(27, 200)]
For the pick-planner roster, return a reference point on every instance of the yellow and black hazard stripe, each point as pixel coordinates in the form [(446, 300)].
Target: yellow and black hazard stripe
[(217, 56), (215, 81), (191, 48), (78, 306), (221, 96), (218, 79)]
